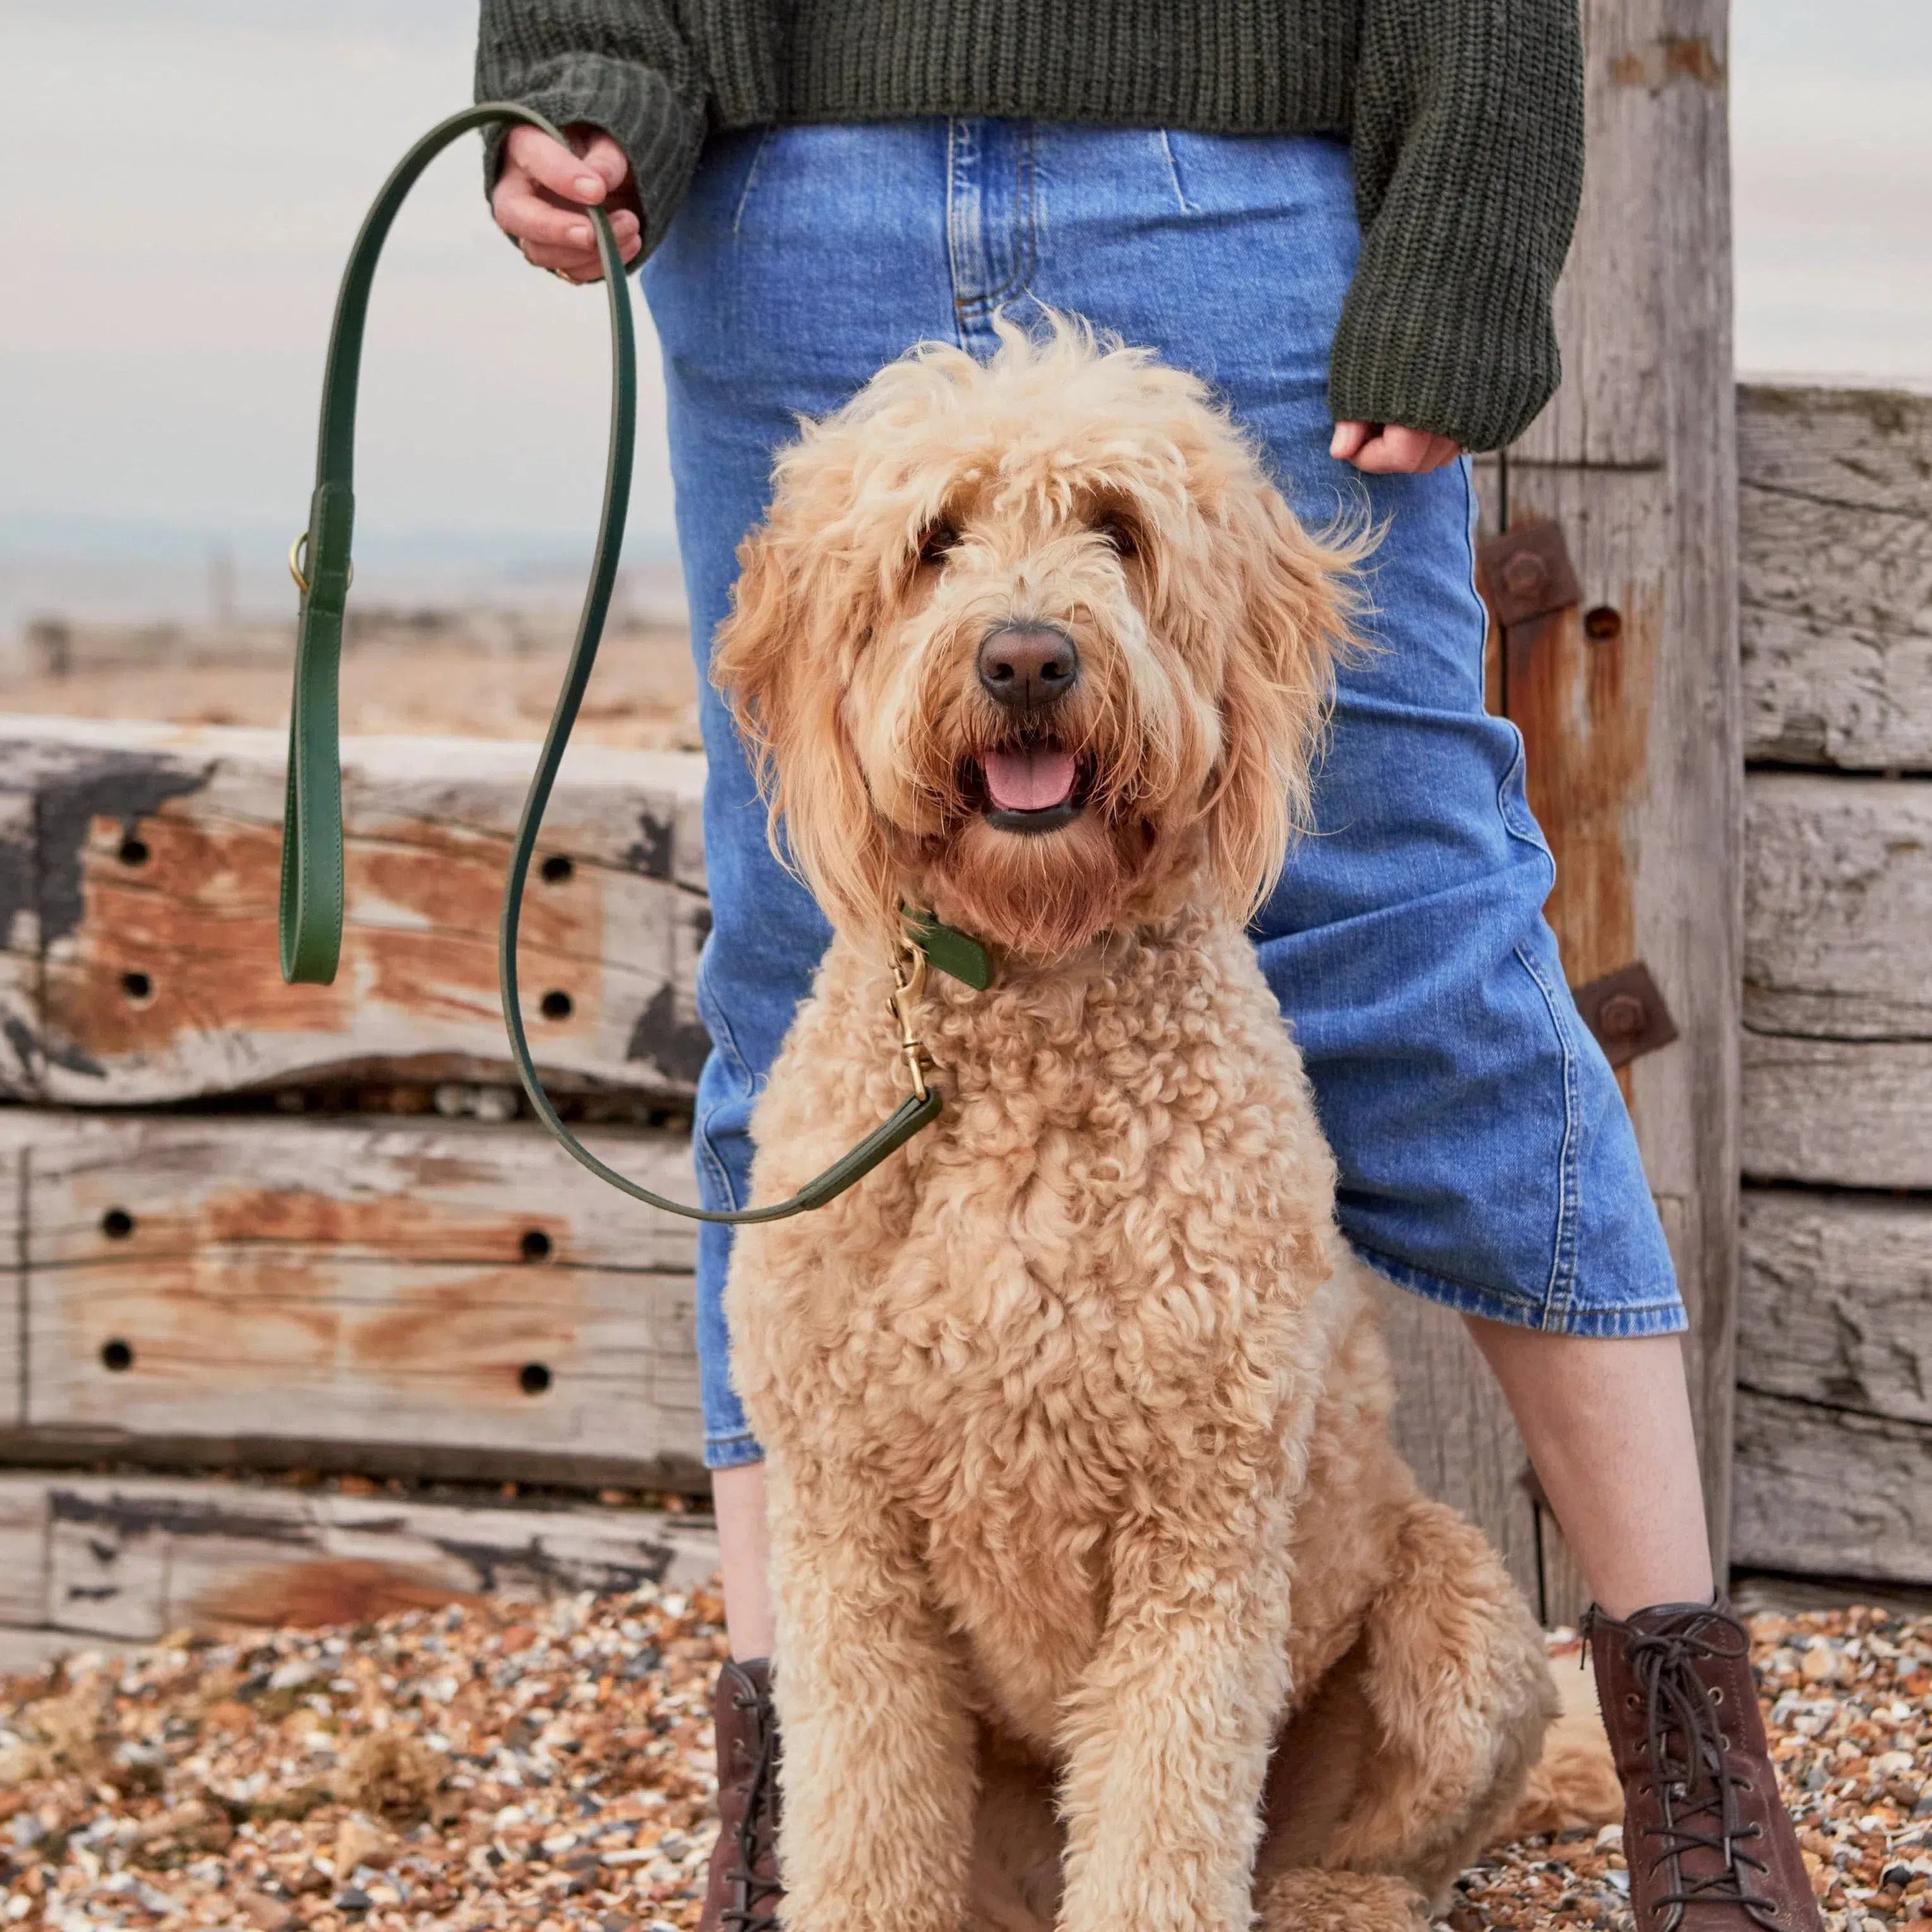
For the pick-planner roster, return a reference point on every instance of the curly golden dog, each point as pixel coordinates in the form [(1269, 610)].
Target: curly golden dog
[(1103, 1597)]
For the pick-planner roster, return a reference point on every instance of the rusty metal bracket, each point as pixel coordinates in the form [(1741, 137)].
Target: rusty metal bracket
[(1526, 577), (1526, 573), (1626, 1012)]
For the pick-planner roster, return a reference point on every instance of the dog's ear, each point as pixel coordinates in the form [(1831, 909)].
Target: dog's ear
[(1295, 603), (781, 660)]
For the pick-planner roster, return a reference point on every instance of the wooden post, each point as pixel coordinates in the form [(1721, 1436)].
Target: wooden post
[(1632, 707), (1628, 699)]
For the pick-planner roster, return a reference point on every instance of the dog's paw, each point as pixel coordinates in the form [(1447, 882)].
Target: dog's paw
[(1306, 1900)]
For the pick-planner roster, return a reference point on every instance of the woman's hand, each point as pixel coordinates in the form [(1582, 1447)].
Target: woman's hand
[(544, 188), (1387, 449)]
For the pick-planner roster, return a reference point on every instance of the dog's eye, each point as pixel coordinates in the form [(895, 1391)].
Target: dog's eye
[(1120, 533), (937, 543)]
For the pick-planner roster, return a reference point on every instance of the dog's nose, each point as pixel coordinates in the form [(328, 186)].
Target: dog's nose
[(1027, 667)]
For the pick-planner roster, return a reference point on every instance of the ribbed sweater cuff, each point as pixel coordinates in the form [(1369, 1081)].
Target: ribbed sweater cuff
[(636, 107), (1443, 359)]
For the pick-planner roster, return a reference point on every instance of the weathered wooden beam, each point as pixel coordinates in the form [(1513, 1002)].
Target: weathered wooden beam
[(1630, 702), (130, 1559), (1828, 1492), (1835, 538), (1835, 1304), (1838, 906), (138, 916), (1838, 1113), (13, 1298), (368, 1293)]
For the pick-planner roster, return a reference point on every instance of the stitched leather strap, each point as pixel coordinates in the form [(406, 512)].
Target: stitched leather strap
[(311, 896)]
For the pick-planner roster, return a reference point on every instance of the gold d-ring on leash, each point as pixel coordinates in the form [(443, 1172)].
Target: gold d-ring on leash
[(298, 555), (908, 982)]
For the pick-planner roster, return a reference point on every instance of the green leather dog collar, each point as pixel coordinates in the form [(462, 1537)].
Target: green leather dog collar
[(955, 953), (311, 896)]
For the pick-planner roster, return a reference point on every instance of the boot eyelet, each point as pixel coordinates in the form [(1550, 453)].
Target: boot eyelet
[(1633, 1700), (1716, 1693)]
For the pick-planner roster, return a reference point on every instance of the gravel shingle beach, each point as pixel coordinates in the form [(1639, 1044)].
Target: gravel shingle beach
[(489, 1764)]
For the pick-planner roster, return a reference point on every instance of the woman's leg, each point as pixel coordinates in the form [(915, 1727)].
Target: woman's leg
[(745, 1558), (1607, 1425)]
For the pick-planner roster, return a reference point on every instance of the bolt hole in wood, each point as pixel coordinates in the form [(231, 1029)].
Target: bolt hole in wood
[(536, 1245), (1602, 625), (133, 851), (533, 1378), (137, 986), (117, 1224), (555, 1005), (555, 869), (117, 1356)]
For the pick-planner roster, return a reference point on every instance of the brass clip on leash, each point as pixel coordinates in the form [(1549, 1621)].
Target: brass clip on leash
[(908, 982), (311, 898)]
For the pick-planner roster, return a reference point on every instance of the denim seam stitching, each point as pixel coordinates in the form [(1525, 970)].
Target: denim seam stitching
[(1561, 1289), (751, 181), (1173, 174), (955, 239), (1446, 1291), (1025, 257), (718, 1026), (720, 1173)]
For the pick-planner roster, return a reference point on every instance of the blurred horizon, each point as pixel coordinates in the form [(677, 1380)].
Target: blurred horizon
[(176, 254)]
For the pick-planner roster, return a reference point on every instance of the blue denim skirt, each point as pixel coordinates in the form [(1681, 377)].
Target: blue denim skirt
[(1486, 1157)]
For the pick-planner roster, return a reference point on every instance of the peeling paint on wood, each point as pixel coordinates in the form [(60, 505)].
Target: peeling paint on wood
[(467, 1287), (1582, 702), (139, 872), (130, 1559)]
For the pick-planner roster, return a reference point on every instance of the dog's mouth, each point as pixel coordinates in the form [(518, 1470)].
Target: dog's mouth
[(1035, 787)]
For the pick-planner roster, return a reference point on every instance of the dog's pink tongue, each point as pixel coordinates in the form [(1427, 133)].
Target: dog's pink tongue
[(1031, 780)]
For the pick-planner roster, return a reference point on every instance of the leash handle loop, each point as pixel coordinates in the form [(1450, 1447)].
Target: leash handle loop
[(311, 913)]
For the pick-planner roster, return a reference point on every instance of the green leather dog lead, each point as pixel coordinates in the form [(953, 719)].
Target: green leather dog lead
[(312, 894)]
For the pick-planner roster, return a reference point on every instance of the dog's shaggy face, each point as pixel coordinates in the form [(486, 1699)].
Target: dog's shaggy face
[(1034, 643)]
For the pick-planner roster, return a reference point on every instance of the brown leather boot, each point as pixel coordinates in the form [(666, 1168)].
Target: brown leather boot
[(1709, 1844), (743, 1894)]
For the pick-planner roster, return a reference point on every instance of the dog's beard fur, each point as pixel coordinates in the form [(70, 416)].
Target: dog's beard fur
[(1068, 483)]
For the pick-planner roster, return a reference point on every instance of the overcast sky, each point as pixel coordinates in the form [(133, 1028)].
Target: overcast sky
[(186, 175)]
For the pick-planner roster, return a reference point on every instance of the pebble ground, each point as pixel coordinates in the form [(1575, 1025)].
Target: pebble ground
[(492, 1765)]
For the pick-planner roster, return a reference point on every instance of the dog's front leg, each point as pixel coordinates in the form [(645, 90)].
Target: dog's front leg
[(1166, 1739), (878, 1778)]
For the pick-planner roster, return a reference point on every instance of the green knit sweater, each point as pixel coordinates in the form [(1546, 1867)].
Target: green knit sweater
[(1465, 117)]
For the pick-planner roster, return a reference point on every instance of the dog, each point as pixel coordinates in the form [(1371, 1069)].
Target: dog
[(1103, 1598)]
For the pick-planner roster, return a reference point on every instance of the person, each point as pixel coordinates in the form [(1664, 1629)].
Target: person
[(1348, 217)]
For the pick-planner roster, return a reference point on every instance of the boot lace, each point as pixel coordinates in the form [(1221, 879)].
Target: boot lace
[(758, 1895), (1690, 1772)]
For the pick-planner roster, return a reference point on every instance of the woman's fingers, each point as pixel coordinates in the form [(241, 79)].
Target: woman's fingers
[(529, 218), (580, 265), (1348, 440), (605, 158), (540, 195), (572, 177), (1391, 450)]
